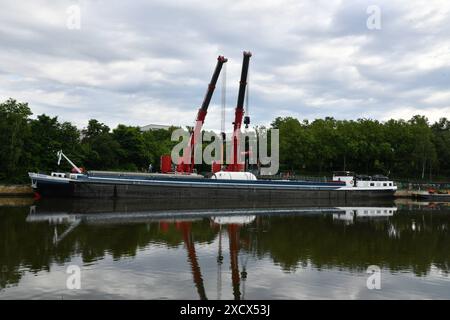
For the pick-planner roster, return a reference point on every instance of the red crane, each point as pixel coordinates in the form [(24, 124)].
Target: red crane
[(239, 115), (186, 164)]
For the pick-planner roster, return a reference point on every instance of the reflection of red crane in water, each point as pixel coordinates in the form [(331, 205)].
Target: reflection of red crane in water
[(236, 276), (233, 234), (186, 228)]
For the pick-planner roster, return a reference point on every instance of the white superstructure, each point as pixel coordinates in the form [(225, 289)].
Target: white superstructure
[(363, 182)]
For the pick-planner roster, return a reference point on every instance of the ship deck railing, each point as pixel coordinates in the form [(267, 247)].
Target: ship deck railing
[(295, 178)]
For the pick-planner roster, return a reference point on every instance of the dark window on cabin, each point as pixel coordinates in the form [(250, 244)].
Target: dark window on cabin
[(384, 184), (372, 184)]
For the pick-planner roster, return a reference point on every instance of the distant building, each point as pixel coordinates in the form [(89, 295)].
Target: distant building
[(154, 127)]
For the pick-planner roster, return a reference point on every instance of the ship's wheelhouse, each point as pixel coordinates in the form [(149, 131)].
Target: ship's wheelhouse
[(363, 181)]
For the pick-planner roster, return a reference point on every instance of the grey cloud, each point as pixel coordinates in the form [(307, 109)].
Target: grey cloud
[(150, 62)]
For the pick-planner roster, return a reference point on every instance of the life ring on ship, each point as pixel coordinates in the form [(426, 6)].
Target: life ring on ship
[(352, 182)]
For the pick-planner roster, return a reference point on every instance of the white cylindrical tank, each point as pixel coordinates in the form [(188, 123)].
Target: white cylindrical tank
[(226, 175), (234, 220)]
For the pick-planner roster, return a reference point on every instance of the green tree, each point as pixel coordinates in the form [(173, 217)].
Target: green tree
[(100, 150), (295, 143), (14, 136), (324, 137), (441, 141), (157, 143), (424, 151), (131, 152), (49, 136)]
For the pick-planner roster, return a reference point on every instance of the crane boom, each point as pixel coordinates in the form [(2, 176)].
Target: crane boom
[(187, 164), (239, 114)]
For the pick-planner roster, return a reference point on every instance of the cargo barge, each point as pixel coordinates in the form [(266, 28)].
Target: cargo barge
[(236, 186)]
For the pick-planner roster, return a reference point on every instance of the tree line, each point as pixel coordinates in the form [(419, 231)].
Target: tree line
[(30, 145), (413, 148)]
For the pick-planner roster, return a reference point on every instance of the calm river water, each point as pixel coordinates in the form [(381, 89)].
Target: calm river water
[(145, 250)]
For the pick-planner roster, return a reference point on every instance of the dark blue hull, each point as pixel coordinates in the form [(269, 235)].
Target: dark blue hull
[(190, 188)]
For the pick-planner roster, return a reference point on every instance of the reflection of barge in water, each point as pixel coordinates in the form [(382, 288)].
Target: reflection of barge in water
[(222, 185), (56, 217), (59, 211), (349, 214), (66, 215)]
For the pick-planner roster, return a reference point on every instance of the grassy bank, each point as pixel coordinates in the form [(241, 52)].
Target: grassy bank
[(15, 190), (16, 201)]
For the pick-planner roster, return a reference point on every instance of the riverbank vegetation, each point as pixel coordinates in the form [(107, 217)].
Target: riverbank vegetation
[(401, 148), (411, 148)]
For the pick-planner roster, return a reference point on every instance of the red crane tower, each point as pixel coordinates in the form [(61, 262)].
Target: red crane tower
[(186, 164), (239, 115)]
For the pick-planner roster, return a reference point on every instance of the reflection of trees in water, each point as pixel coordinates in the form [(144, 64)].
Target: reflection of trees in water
[(31, 246), (405, 241), (22, 244), (419, 241)]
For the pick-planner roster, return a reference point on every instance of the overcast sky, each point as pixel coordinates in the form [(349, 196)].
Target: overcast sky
[(140, 62)]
